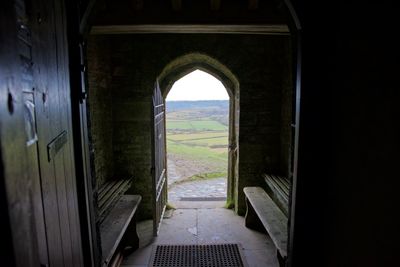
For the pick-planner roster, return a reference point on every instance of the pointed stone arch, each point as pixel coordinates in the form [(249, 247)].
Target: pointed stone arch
[(188, 63), (185, 64)]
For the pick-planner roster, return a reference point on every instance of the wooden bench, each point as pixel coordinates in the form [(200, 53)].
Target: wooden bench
[(116, 219), (263, 214)]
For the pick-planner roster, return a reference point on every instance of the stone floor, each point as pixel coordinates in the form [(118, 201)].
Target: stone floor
[(204, 226)]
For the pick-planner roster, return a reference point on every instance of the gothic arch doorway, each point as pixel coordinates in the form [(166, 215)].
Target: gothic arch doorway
[(174, 71)]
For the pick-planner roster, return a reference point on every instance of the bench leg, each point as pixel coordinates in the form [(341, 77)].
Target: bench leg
[(251, 219), (131, 239)]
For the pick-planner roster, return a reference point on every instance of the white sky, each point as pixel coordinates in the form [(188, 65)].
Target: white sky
[(197, 85)]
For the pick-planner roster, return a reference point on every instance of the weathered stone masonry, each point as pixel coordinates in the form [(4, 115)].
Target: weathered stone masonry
[(260, 63), (101, 110)]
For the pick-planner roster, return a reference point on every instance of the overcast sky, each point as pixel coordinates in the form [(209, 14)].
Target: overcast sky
[(197, 85)]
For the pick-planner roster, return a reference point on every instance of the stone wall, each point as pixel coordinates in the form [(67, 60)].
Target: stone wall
[(101, 109), (287, 118), (259, 63)]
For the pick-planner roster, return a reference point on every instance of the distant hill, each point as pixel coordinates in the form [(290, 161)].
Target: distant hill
[(207, 104), (216, 110)]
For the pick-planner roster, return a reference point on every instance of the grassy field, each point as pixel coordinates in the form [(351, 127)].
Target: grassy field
[(196, 152), (199, 138), (195, 125), (196, 136)]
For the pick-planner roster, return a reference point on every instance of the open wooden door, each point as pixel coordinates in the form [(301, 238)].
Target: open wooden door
[(159, 159), (39, 204)]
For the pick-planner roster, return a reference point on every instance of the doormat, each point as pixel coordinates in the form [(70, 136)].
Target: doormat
[(212, 255), (203, 199)]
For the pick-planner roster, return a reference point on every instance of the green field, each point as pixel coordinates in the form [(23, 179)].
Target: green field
[(196, 152), (195, 125), (199, 139), (200, 135), (178, 125)]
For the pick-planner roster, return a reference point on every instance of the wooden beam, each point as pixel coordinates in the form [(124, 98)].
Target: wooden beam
[(176, 5), (215, 5), (253, 4), (273, 29)]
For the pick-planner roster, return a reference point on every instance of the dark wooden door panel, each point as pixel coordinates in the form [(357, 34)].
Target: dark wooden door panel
[(54, 130), (66, 124), (44, 55), (34, 173), (18, 235)]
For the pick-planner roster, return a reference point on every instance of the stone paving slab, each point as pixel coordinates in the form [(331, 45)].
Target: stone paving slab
[(198, 204), (198, 189)]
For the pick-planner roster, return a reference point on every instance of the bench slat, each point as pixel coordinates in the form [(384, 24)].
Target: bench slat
[(279, 183), (278, 189), (273, 219), (114, 226), (105, 188), (103, 198), (109, 195)]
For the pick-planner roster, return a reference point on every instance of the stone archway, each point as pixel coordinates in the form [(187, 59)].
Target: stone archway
[(184, 65)]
